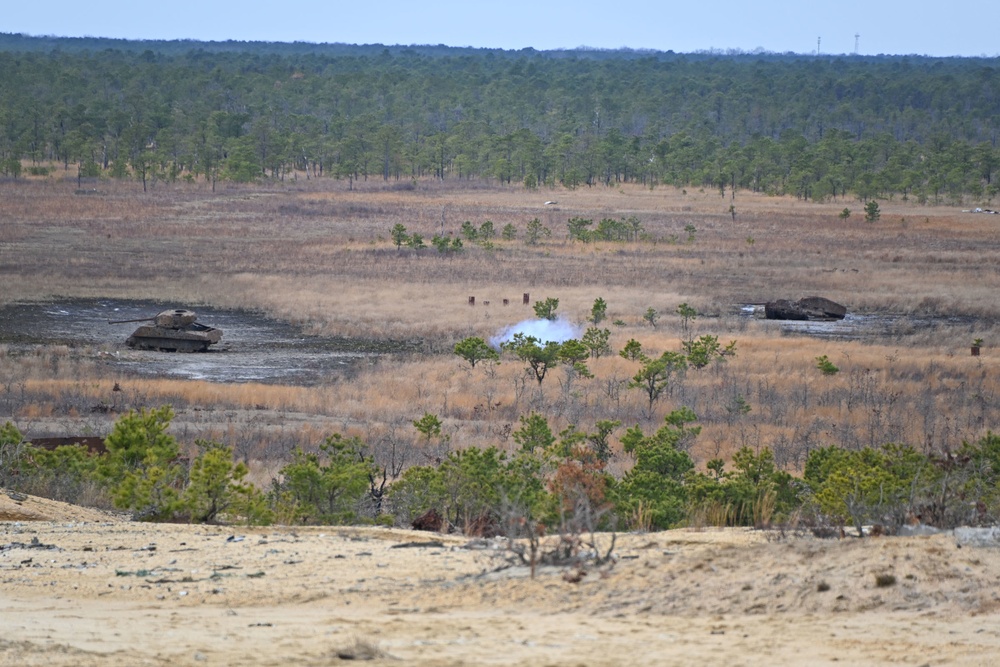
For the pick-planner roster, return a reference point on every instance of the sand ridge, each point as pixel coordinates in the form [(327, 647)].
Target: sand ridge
[(80, 592), (23, 507)]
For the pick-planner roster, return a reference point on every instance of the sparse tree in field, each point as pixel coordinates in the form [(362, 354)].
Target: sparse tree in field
[(599, 311), (416, 241), (143, 165), (546, 310), (535, 232), (509, 232), (632, 350), (845, 214), (717, 467), (688, 315), (540, 358), (737, 407), (391, 455), (470, 232), (596, 341), (574, 353), (487, 231), (447, 245), (441, 243), (635, 227), (579, 229), (399, 235), (429, 427), (654, 376), (872, 212), (826, 366), (651, 316), (707, 348), (677, 422), (474, 350)]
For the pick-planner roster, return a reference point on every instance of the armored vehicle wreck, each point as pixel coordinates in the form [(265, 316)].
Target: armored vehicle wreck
[(172, 331), (809, 308)]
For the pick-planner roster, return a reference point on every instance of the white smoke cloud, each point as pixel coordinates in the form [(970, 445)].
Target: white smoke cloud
[(559, 331)]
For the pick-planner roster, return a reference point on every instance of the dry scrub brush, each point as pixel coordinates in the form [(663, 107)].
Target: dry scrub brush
[(319, 255), (770, 395)]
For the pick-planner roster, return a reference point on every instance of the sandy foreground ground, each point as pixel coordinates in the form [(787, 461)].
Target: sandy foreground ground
[(78, 587)]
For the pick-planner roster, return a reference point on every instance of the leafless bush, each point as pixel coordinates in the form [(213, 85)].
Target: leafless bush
[(576, 546)]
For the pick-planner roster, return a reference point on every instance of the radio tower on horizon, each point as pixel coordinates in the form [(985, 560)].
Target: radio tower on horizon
[(817, 44), (856, 38)]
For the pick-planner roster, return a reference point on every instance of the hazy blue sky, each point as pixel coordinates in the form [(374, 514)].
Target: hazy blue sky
[(959, 27)]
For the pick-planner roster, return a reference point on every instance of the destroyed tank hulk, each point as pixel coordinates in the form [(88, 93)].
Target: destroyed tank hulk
[(814, 308), (172, 331)]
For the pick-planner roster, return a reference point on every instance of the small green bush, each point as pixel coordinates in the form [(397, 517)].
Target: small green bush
[(216, 487), (326, 487), (826, 366)]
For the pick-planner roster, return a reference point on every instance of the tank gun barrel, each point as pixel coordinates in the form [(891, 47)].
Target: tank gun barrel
[(141, 319)]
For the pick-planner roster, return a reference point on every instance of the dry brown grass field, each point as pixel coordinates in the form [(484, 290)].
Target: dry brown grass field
[(319, 255)]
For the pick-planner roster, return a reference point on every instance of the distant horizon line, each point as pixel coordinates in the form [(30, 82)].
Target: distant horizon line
[(727, 51)]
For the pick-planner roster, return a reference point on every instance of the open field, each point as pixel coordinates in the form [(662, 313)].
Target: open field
[(312, 263), (318, 256), (92, 592)]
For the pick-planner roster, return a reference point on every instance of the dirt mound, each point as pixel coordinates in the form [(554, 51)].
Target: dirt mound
[(22, 507), (794, 576), (90, 593)]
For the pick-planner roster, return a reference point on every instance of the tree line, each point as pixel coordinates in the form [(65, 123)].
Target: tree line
[(812, 127), (547, 481)]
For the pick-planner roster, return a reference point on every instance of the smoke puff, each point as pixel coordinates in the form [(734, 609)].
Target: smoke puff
[(559, 331)]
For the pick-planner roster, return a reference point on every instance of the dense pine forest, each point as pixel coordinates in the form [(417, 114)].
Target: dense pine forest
[(813, 127)]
